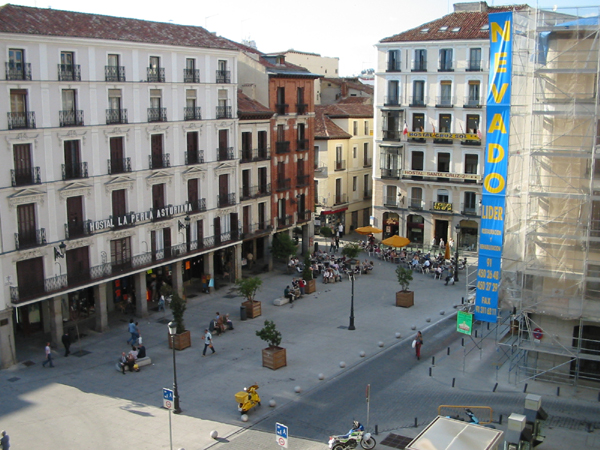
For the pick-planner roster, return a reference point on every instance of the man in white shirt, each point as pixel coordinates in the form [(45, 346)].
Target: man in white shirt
[(207, 342)]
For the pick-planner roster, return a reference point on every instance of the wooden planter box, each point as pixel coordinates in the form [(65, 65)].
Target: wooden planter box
[(253, 309), (182, 341), (311, 286), (405, 299), (274, 358)]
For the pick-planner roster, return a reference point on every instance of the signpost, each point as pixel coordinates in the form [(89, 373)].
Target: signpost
[(168, 404), (282, 434), (368, 402)]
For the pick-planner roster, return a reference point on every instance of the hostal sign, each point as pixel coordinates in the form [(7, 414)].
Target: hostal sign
[(133, 218)]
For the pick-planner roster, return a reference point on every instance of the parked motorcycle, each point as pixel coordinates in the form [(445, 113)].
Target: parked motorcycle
[(247, 399), (354, 437)]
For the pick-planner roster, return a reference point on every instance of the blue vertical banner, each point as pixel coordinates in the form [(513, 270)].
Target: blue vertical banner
[(493, 199)]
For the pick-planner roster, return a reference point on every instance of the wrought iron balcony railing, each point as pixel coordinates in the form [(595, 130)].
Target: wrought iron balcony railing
[(157, 114), (367, 194), (285, 221), (223, 76), (283, 184), (264, 154), (119, 165), (116, 116), (445, 101), (301, 108), (304, 216), (281, 108), (394, 66), (470, 209), (390, 173), (73, 118), (340, 199), (225, 200), (302, 180), (446, 66), (194, 157), (159, 161), (198, 205), (30, 238), (418, 101), (24, 177), (302, 145), (256, 228), (77, 229), (18, 71), (21, 120), (472, 102), (191, 75), (392, 100), (192, 113), (474, 65), (223, 112), (340, 165), (225, 154), (155, 74), (392, 135), (419, 65), (74, 171), (367, 162), (69, 72), (391, 201), (416, 204), (282, 147), (247, 155), (114, 73)]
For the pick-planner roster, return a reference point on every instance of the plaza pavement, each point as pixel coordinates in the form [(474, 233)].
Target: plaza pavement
[(85, 403)]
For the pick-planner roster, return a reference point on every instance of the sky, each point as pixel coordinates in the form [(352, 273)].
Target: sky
[(346, 29)]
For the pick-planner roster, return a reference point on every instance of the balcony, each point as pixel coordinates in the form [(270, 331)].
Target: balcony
[(282, 147), (69, 72), (392, 135), (476, 142), (470, 102), (391, 100), (119, 165), (391, 201), (70, 118), (198, 205), (394, 66), (304, 216), (74, 171), (249, 192), (114, 73), (416, 204), (283, 184), (446, 66), (30, 238), (321, 171), (390, 173), (223, 76), (194, 157), (474, 65), (159, 161), (441, 207), (367, 194), (247, 155), (340, 165), (418, 101), (192, 113), (445, 101), (115, 116), (18, 71), (367, 162), (157, 114), (155, 74), (470, 210), (302, 145), (225, 154), (76, 229), (225, 200), (223, 112), (285, 221), (419, 65), (302, 181), (442, 141), (191, 75), (24, 177), (340, 199), (281, 108), (21, 120), (263, 154), (301, 109)]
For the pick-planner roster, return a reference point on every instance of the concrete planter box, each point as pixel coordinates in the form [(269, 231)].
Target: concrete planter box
[(253, 309), (274, 357), (405, 299), (311, 286), (182, 341)]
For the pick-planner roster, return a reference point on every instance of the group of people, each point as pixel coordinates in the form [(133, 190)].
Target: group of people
[(296, 290), (129, 360), (220, 323), (441, 243)]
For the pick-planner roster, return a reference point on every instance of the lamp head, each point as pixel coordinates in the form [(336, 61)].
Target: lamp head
[(172, 327)]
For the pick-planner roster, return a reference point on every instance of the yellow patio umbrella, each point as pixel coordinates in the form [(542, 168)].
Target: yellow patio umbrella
[(368, 230), (396, 241)]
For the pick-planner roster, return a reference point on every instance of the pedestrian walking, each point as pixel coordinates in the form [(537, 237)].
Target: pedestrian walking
[(66, 341), (48, 356), (332, 247), (337, 243), (134, 331), (208, 343), (417, 344), (4, 441)]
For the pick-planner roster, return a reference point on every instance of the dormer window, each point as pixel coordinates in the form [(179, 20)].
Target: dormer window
[(425, 30), (456, 30), (485, 27), (280, 60), (443, 29)]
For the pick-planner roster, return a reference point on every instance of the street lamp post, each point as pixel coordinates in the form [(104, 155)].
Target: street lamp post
[(172, 332), (351, 326), (456, 254)]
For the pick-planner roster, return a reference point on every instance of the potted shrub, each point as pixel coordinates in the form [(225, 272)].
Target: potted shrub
[(273, 356), (351, 250), (247, 288), (283, 247), (404, 298), (307, 275), (183, 337)]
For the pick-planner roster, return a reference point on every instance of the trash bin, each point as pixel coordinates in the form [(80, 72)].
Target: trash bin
[(316, 247), (243, 313)]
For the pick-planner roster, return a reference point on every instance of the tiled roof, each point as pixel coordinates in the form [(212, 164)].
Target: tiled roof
[(324, 126), (251, 109), (351, 83), (53, 22), (468, 23), (349, 110), (356, 100)]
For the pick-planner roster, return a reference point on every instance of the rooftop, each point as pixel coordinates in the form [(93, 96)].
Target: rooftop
[(251, 109), (324, 126)]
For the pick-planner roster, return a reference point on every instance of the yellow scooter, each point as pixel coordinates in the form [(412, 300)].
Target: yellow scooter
[(247, 399)]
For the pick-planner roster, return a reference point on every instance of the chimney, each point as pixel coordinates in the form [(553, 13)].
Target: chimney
[(344, 88), (471, 7)]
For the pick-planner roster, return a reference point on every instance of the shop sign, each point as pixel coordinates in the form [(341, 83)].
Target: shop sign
[(459, 176), (458, 136), (133, 218), (441, 206)]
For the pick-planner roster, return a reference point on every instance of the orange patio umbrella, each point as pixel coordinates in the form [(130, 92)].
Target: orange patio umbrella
[(447, 255), (368, 230), (396, 241)]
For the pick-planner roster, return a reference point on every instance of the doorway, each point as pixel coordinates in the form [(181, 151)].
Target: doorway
[(441, 230)]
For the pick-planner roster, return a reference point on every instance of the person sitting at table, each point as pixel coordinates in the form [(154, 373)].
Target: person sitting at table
[(326, 276), (287, 293), (141, 351), (336, 274), (228, 322)]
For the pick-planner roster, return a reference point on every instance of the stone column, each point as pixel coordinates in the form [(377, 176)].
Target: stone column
[(268, 255), (141, 305), (209, 267), (101, 308), (56, 320), (177, 277), (237, 261), (7, 339)]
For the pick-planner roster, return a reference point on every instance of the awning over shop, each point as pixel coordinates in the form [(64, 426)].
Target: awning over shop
[(334, 211)]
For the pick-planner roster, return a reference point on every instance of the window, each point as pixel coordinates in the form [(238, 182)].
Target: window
[(445, 123), (113, 71), (392, 98), (190, 73), (443, 29), (156, 148), (223, 109), (19, 117), (391, 196), (446, 94), (416, 198), (418, 122), (191, 111), (367, 184), (114, 100), (301, 107), (394, 61), (354, 184), (155, 98), (416, 161), (471, 162), (367, 130), (262, 145), (420, 61), (119, 204), (26, 226), (302, 141), (67, 70), (281, 106), (69, 116), (73, 167), (443, 196), (355, 128), (158, 197), (23, 173), (473, 123), (473, 98), (389, 162), (225, 152), (338, 158), (446, 60), (280, 133), (112, 61), (418, 93), (470, 205), (117, 162), (592, 287), (366, 159), (193, 155), (156, 113), (354, 152), (443, 162), (338, 191), (120, 252), (17, 69), (316, 153), (474, 63), (222, 72), (193, 195)]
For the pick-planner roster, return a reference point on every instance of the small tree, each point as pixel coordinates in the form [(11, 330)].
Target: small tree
[(351, 250), (177, 306), (247, 287), (269, 334), (326, 231), (283, 246), (404, 277), (307, 273)]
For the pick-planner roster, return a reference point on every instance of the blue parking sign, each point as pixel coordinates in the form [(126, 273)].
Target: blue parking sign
[(167, 398), (282, 434)]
